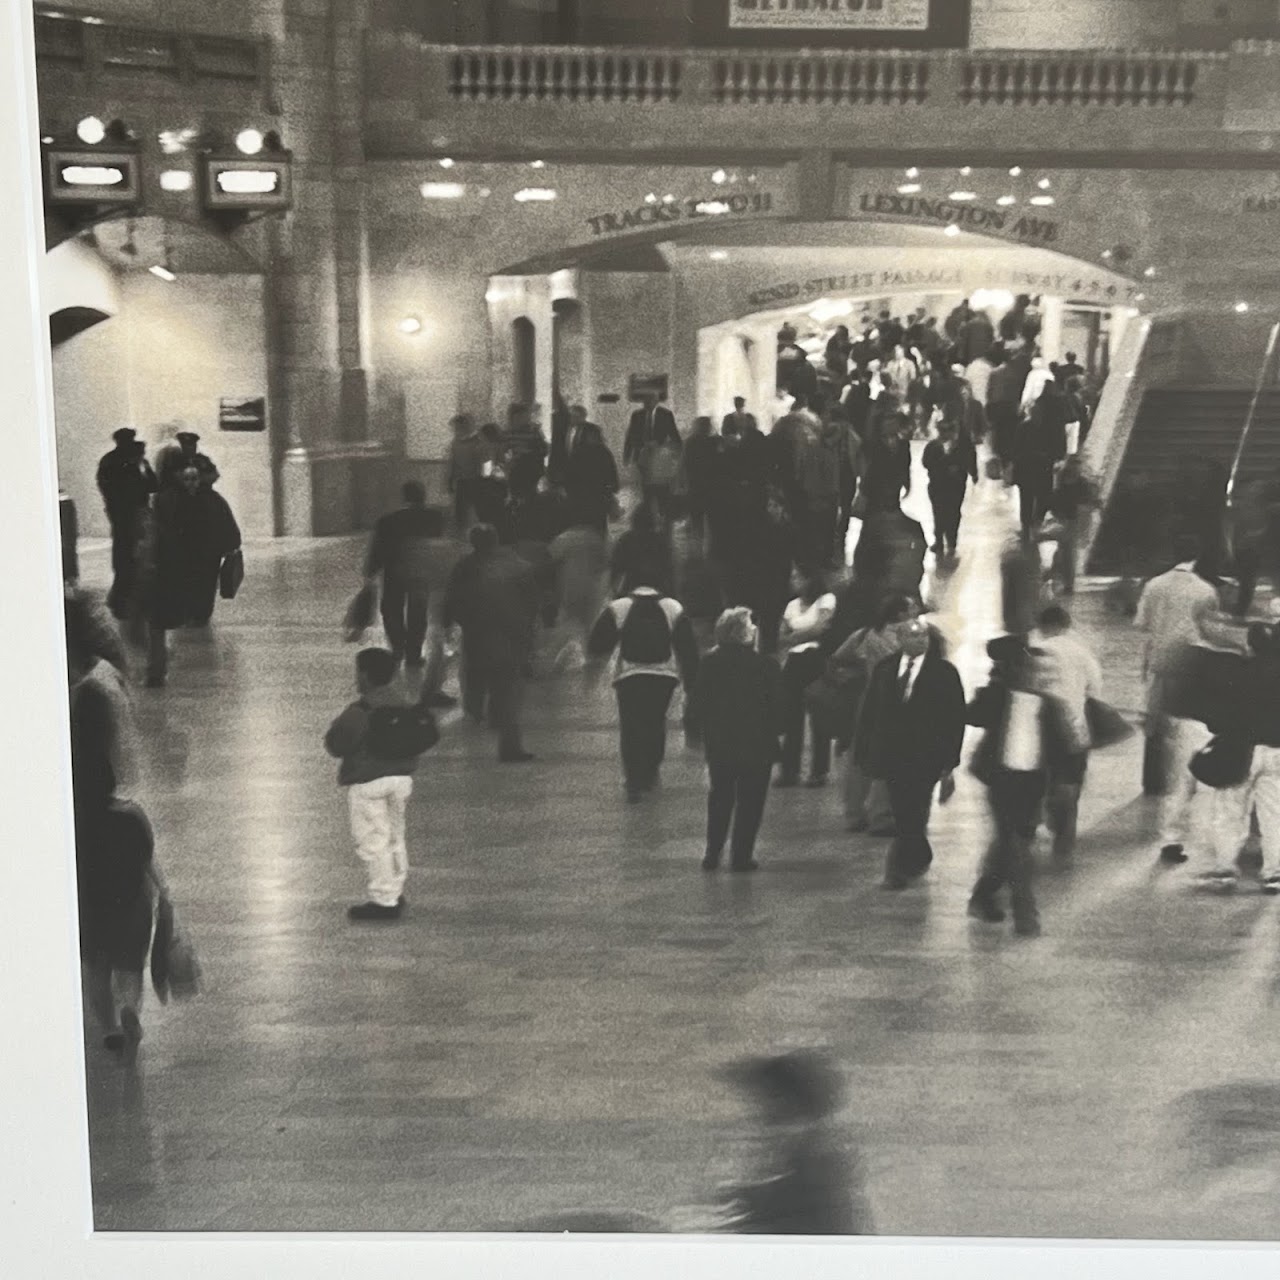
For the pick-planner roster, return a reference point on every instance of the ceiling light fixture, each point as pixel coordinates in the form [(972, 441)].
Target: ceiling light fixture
[(538, 195), (651, 198), (446, 163), (718, 255), (92, 175), (537, 164), (913, 172), (951, 230), (712, 206), (1016, 171), (963, 195), (410, 325), (1042, 201), (91, 131), (1150, 273), (163, 273), (909, 189), (1044, 184), (249, 142), (1006, 201), (175, 180), (719, 177), (1241, 308), (966, 171), (443, 190), (668, 198)]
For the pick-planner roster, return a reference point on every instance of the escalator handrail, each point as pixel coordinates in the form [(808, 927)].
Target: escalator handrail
[(1267, 359)]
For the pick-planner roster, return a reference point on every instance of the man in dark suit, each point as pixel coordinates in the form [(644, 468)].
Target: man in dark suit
[(399, 554), (909, 734), (740, 708), (589, 473), (652, 424), (739, 422), (126, 482)]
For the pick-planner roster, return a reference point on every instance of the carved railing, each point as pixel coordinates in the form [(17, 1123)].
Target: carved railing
[(563, 75), (1080, 80), (820, 79)]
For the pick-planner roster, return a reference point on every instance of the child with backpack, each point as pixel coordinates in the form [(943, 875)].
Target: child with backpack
[(378, 739), (656, 651)]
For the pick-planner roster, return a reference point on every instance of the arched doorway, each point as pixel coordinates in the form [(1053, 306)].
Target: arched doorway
[(524, 361)]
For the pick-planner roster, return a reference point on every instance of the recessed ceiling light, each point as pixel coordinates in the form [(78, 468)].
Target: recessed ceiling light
[(1042, 201), (1044, 184), (718, 255), (668, 198), (446, 163), (537, 164), (713, 206), (1139, 297), (952, 230), (1150, 273), (539, 195), (249, 141), (1016, 171), (1106, 253), (410, 325), (963, 195), (175, 180), (719, 177), (442, 190), (909, 188), (1006, 201), (651, 198), (966, 171), (1242, 307), (162, 273), (913, 172)]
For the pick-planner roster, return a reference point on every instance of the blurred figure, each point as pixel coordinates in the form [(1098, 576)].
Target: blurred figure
[(950, 462), (1013, 762), (652, 446), (1040, 445), (760, 569), (739, 421), (739, 703), (890, 556), (175, 458), (700, 464), (581, 561), (465, 470), (1071, 675), (887, 473), (866, 799), (642, 555), (804, 622), (656, 651), (399, 554), (126, 482), (909, 734), (807, 1184), (1073, 499), (195, 532), (494, 597), (590, 473)]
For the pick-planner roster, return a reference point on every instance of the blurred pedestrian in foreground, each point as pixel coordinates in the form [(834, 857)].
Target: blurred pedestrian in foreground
[(807, 1183)]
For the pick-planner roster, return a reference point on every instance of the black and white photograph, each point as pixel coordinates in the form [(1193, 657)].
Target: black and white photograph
[(671, 616)]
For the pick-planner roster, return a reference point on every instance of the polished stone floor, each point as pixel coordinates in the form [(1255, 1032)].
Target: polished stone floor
[(542, 1031)]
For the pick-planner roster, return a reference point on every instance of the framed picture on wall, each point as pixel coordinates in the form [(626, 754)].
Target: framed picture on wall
[(239, 413)]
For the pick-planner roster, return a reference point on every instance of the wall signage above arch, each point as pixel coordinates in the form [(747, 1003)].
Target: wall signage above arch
[(814, 15), (1025, 227), (658, 213)]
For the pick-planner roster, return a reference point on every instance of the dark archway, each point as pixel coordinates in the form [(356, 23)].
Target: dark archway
[(68, 322)]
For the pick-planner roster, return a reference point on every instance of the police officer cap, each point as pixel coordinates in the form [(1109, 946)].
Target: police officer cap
[(125, 435), (188, 435)]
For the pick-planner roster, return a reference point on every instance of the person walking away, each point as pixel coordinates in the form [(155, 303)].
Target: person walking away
[(656, 651), (1251, 516), (126, 482), (378, 740), (399, 554), (642, 555), (888, 466), (976, 338), (651, 439), (494, 597), (808, 1183), (804, 622), (1176, 611), (760, 574), (1013, 763), (700, 463), (739, 701), (852, 460), (1073, 500), (820, 486), (889, 559), (468, 453), (195, 532), (590, 473), (1041, 444), (866, 799), (1071, 675), (581, 560), (950, 462), (909, 735)]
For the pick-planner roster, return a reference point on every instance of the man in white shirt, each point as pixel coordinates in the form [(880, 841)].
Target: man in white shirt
[(1178, 611), (1072, 674), (804, 623)]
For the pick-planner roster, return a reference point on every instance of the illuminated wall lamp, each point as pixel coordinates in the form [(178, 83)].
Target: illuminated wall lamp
[(1241, 308), (249, 142), (91, 131), (410, 326)]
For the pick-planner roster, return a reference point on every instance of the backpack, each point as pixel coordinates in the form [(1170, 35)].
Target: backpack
[(400, 733), (645, 638)]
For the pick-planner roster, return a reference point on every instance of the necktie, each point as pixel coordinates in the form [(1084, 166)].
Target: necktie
[(904, 680)]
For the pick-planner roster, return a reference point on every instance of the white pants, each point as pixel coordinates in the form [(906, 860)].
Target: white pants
[(1183, 808), (377, 826), (1232, 807)]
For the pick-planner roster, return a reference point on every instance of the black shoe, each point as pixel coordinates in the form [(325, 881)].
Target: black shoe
[(710, 864), (1172, 855), (515, 757), (131, 1027), (374, 911), (985, 909), (753, 865), (441, 701)]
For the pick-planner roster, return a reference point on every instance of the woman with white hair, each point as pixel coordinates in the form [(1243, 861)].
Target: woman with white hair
[(741, 709)]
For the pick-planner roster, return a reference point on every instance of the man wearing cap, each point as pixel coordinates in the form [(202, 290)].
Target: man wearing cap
[(126, 482), (173, 460)]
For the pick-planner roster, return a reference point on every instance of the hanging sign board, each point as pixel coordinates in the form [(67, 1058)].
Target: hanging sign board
[(827, 15)]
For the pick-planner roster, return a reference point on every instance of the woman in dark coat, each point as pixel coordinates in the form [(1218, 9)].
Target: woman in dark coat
[(194, 533)]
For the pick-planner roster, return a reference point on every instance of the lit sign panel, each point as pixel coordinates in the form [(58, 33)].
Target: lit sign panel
[(91, 176), (248, 184), (810, 15)]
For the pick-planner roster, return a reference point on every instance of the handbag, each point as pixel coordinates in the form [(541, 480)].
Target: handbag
[(231, 575), (175, 970), (1107, 726), (360, 613), (1224, 763)]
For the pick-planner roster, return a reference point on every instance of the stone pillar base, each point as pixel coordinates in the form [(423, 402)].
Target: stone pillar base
[(297, 503)]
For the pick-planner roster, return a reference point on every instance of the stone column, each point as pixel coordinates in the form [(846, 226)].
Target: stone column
[(318, 269)]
